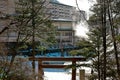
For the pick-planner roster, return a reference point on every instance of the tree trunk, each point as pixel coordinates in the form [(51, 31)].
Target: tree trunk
[(103, 13), (98, 62), (33, 34), (113, 37)]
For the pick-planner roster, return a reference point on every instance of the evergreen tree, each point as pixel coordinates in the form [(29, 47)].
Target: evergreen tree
[(34, 23), (105, 13), (33, 26)]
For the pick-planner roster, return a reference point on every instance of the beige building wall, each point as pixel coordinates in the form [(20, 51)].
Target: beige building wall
[(66, 17), (62, 16), (6, 8), (59, 10), (65, 32), (63, 24)]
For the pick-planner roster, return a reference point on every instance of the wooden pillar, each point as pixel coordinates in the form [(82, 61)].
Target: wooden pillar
[(40, 71), (81, 74), (74, 71)]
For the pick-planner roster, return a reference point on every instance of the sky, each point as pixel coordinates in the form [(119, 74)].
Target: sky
[(83, 4), (81, 29)]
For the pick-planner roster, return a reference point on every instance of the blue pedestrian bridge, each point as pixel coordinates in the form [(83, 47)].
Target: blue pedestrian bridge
[(50, 52)]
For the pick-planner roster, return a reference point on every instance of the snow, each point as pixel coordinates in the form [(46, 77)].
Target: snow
[(87, 69), (57, 76), (61, 74), (64, 75)]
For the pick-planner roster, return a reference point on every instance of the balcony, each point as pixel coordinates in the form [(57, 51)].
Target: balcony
[(65, 28)]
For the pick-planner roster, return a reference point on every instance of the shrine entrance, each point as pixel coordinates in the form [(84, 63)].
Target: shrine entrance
[(71, 59)]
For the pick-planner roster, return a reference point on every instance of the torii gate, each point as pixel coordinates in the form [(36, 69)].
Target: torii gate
[(72, 59)]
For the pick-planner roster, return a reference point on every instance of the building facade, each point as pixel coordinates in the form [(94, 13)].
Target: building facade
[(64, 18), (6, 8)]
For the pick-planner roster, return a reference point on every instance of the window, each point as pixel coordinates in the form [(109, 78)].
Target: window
[(68, 34)]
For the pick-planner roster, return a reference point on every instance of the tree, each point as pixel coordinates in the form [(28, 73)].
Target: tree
[(32, 26), (35, 24), (106, 16), (99, 19), (92, 49), (112, 26), (106, 12)]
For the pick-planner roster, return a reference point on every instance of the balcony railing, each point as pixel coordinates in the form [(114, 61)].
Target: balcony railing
[(64, 28)]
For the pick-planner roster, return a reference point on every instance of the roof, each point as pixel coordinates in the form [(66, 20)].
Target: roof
[(57, 2)]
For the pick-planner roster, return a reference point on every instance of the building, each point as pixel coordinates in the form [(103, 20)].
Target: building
[(6, 9), (64, 17)]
